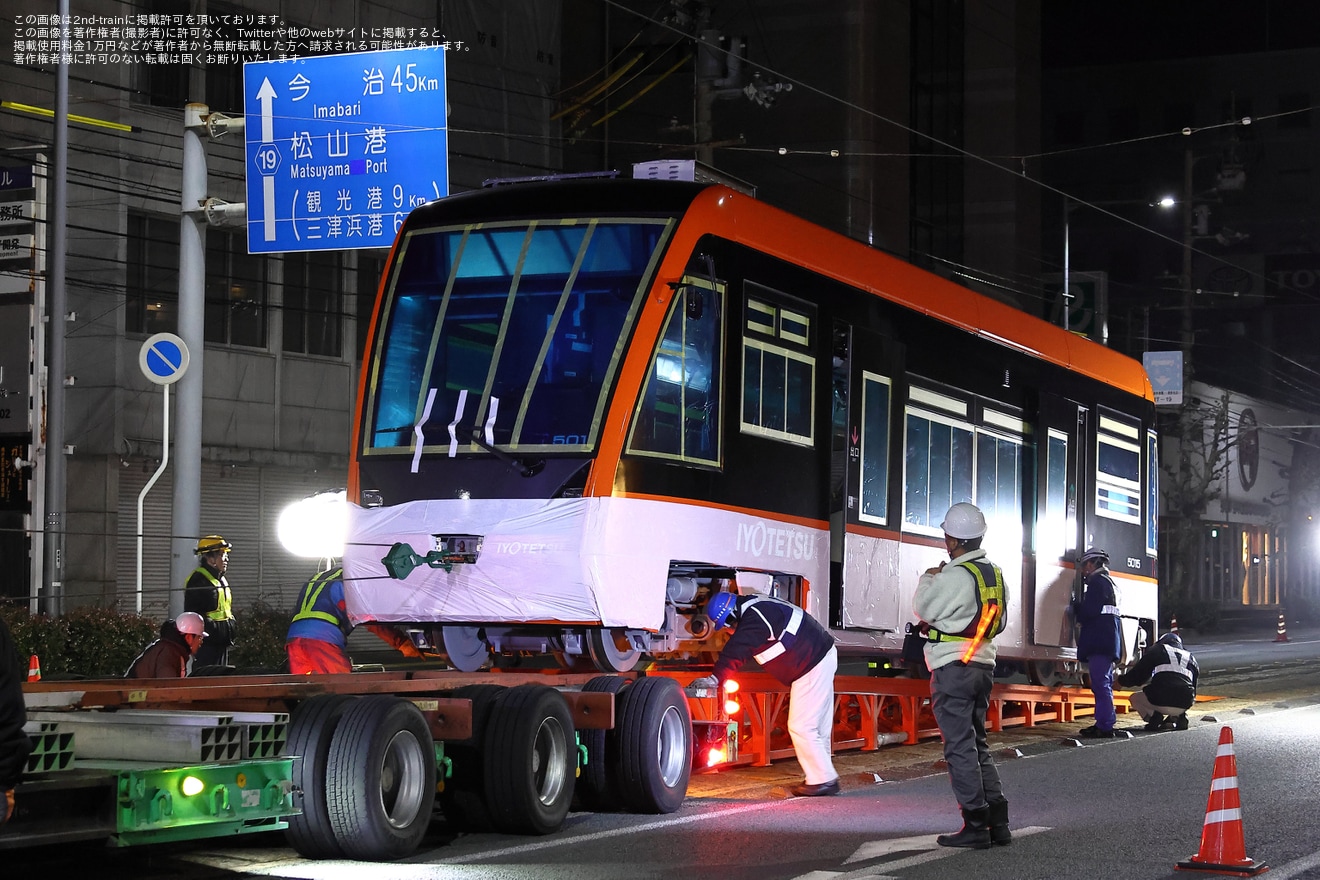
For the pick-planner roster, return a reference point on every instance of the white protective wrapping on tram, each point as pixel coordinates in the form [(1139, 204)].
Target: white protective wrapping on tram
[(574, 560), (539, 561)]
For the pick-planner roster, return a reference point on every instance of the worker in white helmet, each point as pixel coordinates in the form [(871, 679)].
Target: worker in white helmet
[(961, 605)]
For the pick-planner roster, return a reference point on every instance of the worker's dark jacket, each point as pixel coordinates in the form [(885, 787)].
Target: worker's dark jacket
[(14, 743), (785, 640), (1172, 673), (167, 657), (1097, 612)]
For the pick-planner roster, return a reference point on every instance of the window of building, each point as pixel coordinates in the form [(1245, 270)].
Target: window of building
[(369, 269), (313, 319), (1295, 110), (235, 291), (163, 85), (1118, 470), (779, 367), (678, 416), (152, 301)]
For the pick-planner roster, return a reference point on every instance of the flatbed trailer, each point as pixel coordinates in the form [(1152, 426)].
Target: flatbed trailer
[(353, 766), (350, 766)]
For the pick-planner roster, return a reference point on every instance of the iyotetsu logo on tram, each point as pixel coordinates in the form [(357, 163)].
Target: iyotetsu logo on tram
[(760, 539)]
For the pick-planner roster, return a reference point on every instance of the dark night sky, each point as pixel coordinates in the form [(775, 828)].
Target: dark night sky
[(1115, 31)]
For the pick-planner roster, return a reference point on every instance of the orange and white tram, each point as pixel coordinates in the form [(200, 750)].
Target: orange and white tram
[(586, 404)]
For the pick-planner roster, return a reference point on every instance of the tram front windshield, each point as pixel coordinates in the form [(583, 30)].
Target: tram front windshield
[(529, 318)]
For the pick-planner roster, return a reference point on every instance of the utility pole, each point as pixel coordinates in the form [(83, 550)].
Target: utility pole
[(56, 480)]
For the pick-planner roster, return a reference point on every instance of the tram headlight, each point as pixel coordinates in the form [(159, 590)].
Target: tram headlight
[(315, 527)]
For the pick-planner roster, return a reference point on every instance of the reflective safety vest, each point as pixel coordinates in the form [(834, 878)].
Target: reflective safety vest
[(224, 598), (1179, 659), (778, 646), (317, 603), (991, 604)]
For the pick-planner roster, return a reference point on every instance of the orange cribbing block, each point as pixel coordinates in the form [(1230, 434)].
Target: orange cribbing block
[(1223, 849)]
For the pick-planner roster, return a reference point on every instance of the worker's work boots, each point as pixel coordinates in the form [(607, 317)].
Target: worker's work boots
[(975, 833), (998, 821)]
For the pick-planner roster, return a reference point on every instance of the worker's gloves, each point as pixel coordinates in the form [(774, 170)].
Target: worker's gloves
[(706, 681), (8, 806)]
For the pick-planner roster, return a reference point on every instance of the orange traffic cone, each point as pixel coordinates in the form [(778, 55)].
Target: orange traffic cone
[(1223, 850), (1282, 634), (1173, 623), (34, 669)]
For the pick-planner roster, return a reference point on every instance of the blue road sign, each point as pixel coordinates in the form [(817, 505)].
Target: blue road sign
[(163, 358), (341, 147)]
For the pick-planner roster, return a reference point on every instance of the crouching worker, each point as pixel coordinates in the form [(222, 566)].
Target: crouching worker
[(170, 655), (317, 642), (1169, 673), (798, 651)]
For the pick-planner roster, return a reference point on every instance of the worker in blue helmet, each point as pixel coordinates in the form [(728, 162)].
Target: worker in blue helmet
[(1168, 672), (790, 645)]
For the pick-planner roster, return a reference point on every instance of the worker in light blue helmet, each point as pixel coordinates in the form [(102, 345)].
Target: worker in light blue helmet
[(790, 645), (1167, 675)]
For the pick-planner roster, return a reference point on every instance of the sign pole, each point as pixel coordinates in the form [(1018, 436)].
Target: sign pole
[(163, 359), (164, 462)]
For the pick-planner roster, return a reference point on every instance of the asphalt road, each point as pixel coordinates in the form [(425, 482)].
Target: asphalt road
[(1126, 808)]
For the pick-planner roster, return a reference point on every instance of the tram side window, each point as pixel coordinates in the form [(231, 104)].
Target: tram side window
[(875, 449), (1152, 493), (1118, 470), (678, 416), (779, 369), (938, 468)]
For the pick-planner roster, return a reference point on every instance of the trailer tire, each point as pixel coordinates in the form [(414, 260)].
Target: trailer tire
[(654, 757), (611, 651), (380, 784), (1045, 673), (310, 730), (463, 796), (594, 791), (529, 760)]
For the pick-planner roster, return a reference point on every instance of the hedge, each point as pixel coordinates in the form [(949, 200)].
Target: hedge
[(102, 642)]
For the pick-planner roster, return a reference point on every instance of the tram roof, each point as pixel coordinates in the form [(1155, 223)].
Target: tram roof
[(747, 220)]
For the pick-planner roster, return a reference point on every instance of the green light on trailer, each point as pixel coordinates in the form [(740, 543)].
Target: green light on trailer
[(191, 786)]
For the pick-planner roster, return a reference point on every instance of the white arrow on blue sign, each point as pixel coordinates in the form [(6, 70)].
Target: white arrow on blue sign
[(341, 147), (163, 358)]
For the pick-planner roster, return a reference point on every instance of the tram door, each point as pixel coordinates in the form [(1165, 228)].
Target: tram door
[(1062, 461), (864, 523)]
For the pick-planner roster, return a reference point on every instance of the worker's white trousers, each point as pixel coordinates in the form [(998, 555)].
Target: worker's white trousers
[(811, 719)]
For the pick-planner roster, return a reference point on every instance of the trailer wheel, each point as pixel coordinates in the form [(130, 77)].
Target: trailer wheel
[(463, 795), (464, 647), (654, 759), (380, 780), (530, 760), (593, 790), (310, 731), (611, 651)]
